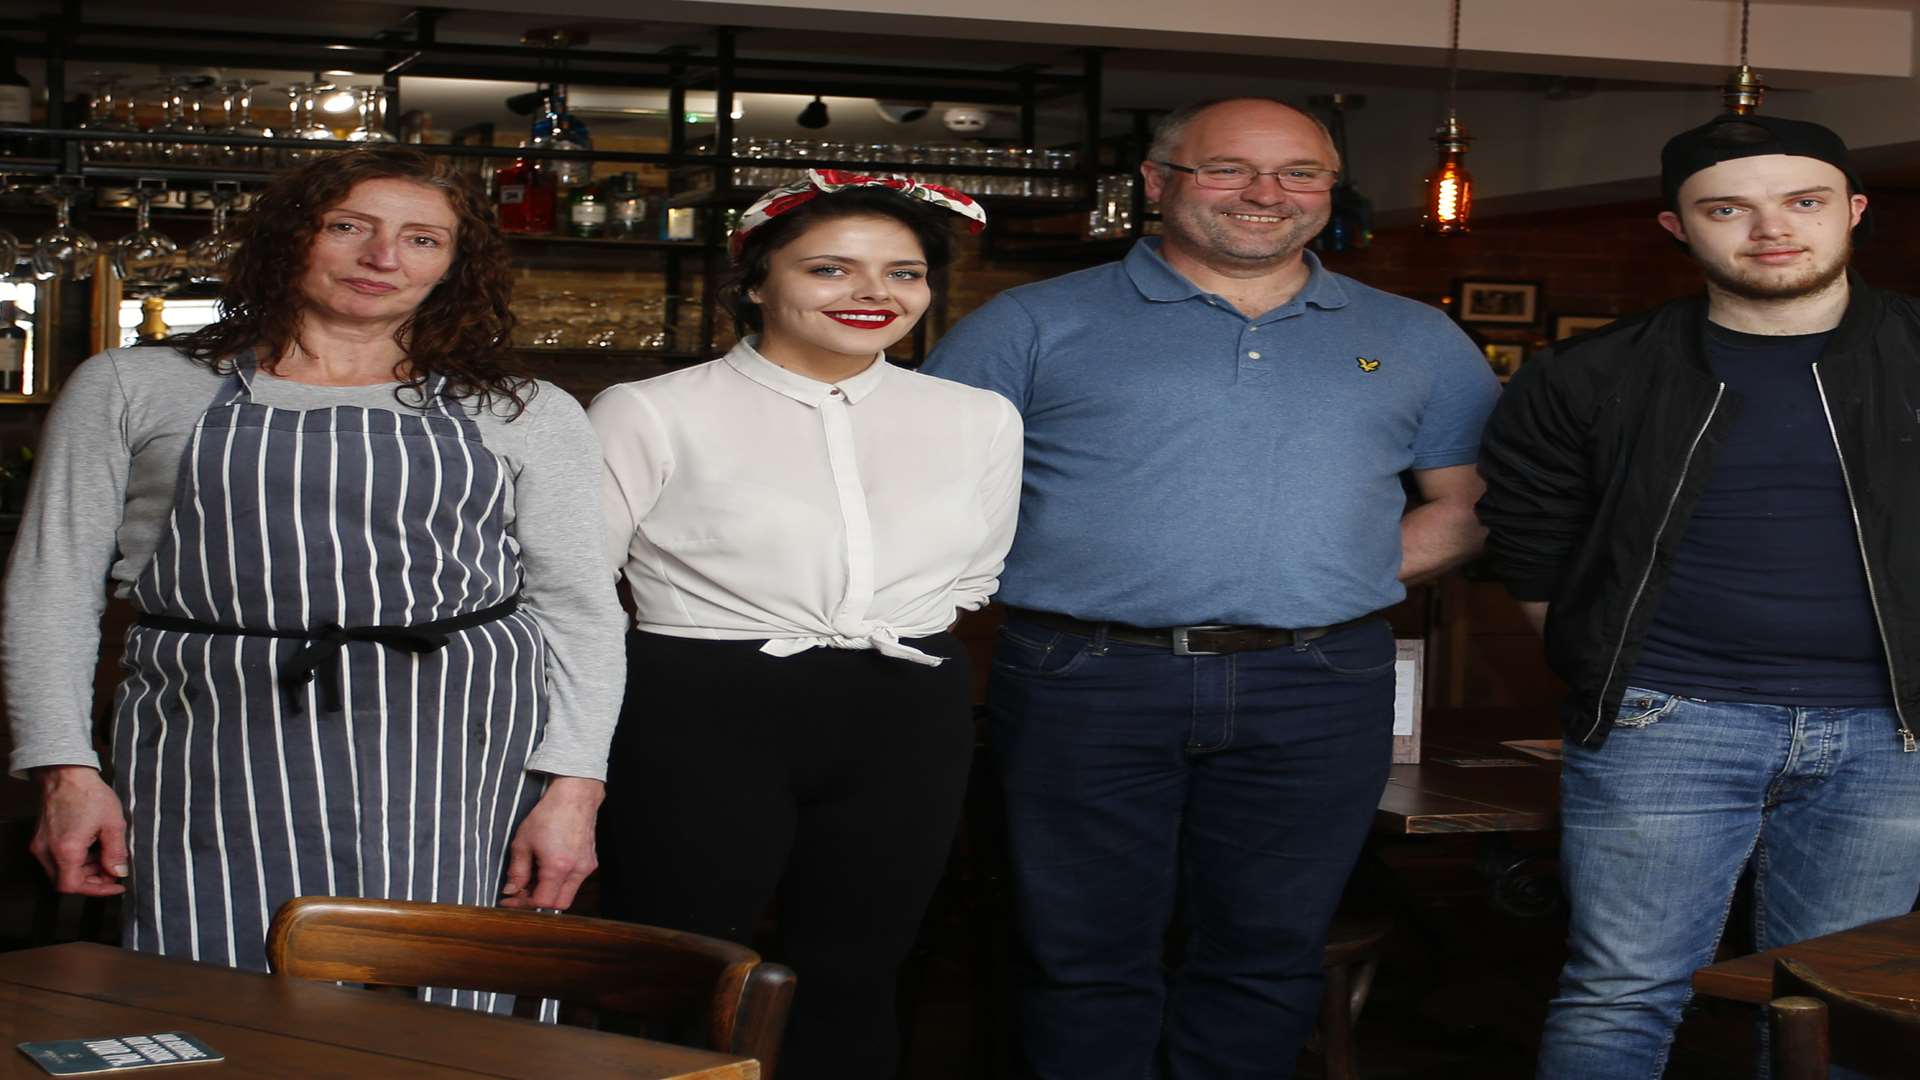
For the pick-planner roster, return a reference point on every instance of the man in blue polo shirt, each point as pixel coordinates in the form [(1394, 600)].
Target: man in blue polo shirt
[(1192, 699)]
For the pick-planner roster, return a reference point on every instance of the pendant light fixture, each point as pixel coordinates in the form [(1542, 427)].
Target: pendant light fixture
[(1745, 89), (814, 116), (1449, 201)]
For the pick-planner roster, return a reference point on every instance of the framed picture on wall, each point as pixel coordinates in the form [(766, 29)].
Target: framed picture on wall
[(1508, 303), (1505, 357), (1566, 326)]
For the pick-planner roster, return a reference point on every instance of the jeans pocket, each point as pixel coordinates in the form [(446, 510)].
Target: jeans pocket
[(1642, 708), (1362, 653), (1037, 652)]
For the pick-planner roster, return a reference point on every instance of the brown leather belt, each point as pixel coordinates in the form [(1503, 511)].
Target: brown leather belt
[(1188, 640)]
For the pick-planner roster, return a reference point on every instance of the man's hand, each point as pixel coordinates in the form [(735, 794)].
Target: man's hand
[(553, 848), (82, 838), (1536, 614)]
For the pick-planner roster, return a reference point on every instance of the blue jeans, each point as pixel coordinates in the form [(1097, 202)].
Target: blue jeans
[(1657, 825), (1236, 788)]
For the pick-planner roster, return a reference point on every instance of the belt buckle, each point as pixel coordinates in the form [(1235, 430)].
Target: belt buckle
[(1180, 647)]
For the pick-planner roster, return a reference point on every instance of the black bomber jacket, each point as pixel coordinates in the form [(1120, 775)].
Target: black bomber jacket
[(1601, 447)]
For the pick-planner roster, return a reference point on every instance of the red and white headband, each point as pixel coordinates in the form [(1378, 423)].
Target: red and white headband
[(821, 181)]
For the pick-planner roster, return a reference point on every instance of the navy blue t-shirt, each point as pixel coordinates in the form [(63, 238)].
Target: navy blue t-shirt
[(1768, 598)]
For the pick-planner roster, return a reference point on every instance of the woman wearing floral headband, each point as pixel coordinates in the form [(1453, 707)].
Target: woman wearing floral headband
[(799, 522)]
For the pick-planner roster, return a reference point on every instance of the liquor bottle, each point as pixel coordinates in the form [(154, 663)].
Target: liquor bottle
[(16, 104), (586, 211), (13, 350), (523, 193), (679, 222), (559, 129), (626, 207)]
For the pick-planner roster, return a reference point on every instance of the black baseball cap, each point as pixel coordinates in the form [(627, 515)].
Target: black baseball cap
[(1731, 135)]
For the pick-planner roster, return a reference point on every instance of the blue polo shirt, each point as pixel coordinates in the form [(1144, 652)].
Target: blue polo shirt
[(1186, 464)]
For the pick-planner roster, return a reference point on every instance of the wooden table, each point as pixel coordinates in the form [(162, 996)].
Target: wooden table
[(275, 1027), (1879, 961), (1439, 795)]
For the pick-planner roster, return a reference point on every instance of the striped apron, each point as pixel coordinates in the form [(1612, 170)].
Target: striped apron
[(330, 690)]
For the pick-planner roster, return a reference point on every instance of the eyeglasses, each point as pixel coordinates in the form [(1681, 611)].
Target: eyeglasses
[(1235, 177)]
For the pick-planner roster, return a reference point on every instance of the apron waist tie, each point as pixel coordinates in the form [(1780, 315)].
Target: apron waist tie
[(325, 642)]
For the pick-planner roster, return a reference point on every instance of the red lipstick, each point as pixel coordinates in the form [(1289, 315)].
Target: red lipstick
[(863, 319)]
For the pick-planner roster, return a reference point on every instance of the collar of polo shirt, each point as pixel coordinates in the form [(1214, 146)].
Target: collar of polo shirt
[(1159, 282)]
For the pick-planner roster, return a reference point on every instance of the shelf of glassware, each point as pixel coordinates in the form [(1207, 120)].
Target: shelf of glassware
[(1009, 205)]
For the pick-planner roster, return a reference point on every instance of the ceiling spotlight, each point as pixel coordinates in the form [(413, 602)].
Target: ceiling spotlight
[(814, 116)]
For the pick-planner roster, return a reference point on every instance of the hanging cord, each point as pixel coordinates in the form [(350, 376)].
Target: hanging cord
[(1453, 62), (1746, 12)]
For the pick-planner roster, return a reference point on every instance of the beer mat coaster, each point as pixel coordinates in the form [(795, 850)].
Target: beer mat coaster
[(1483, 762), (119, 1053)]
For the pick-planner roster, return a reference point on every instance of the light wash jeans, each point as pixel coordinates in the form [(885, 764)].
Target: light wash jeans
[(1657, 825)]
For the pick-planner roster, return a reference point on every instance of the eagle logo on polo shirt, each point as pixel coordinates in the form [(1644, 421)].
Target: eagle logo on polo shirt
[(1366, 365)]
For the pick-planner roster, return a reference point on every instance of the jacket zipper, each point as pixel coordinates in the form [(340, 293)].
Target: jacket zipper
[(1880, 623), (1620, 646)]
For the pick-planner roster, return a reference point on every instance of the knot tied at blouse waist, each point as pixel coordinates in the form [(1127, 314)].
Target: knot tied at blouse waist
[(879, 637)]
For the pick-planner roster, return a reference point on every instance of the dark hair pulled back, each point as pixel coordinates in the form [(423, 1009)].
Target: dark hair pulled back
[(930, 224)]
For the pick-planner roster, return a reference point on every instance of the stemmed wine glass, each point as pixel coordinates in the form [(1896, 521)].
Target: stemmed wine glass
[(183, 118), (105, 105), (236, 105), (64, 251), (145, 258), (208, 256), (303, 118), (373, 114)]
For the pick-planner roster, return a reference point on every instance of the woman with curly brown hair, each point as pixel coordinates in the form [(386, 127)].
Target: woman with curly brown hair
[(375, 654)]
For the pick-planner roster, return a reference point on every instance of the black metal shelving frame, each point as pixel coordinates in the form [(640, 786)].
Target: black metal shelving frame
[(415, 47)]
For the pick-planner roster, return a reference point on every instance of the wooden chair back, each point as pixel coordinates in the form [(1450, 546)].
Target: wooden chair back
[(1815, 1025), (686, 981)]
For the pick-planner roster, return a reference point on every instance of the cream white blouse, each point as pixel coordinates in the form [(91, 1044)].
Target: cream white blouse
[(746, 501)]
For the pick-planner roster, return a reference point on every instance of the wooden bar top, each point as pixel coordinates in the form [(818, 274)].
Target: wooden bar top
[(1879, 961), (1457, 788), (280, 1027)]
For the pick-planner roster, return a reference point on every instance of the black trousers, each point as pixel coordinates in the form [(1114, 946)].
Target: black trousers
[(832, 779)]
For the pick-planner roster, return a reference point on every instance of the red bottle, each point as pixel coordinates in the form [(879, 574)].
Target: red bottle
[(524, 192)]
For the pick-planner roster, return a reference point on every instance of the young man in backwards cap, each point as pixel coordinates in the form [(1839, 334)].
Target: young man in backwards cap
[(1710, 508)]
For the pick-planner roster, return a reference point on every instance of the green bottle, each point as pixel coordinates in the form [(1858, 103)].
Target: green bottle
[(586, 211)]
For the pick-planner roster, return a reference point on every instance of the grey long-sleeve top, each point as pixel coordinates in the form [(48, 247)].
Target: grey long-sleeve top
[(103, 489)]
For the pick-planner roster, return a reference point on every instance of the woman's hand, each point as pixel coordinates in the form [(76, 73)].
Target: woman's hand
[(82, 838), (553, 847)]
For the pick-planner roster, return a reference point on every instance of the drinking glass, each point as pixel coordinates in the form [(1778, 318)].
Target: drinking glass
[(106, 104), (183, 118), (9, 254), (236, 118), (152, 101), (208, 256), (144, 258), (1059, 187), (373, 117), (304, 119), (64, 251)]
